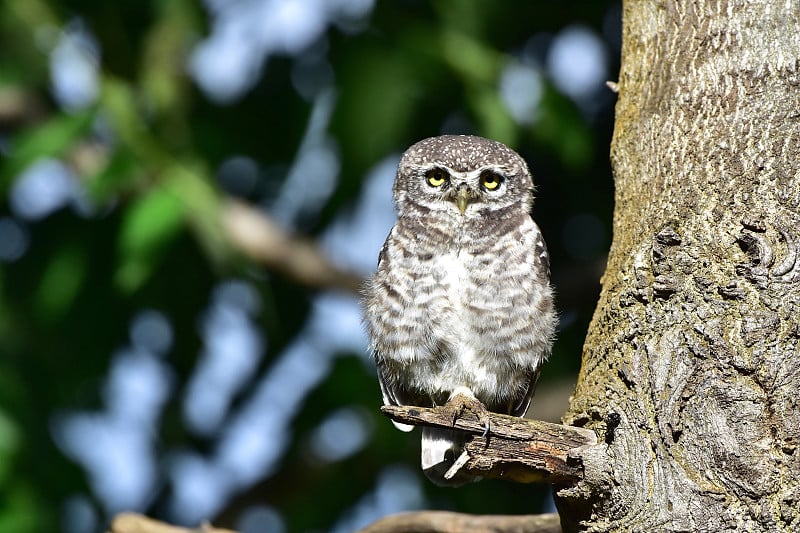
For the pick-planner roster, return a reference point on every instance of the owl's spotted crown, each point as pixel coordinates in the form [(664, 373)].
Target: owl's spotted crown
[(463, 153), (452, 172)]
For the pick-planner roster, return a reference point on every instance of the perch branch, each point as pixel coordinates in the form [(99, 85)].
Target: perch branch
[(447, 522), (516, 449)]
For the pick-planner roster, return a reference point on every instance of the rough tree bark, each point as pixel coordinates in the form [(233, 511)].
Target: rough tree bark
[(693, 349)]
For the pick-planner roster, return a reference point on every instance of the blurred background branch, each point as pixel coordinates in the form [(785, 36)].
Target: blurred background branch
[(134, 523), (263, 241), (444, 522)]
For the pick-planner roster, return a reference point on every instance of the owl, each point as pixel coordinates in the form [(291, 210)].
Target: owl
[(460, 311)]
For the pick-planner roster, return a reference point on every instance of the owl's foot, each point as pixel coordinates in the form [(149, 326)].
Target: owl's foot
[(461, 402)]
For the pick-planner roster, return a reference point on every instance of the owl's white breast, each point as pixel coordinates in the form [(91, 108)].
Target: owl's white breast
[(468, 364), (454, 278), (466, 311)]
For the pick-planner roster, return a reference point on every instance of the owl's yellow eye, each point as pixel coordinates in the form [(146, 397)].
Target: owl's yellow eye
[(490, 180), (436, 177)]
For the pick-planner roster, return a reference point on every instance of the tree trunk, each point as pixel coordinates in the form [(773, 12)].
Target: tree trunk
[(691, 367)]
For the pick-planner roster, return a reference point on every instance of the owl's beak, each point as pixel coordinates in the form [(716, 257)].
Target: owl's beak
[(463, 196)]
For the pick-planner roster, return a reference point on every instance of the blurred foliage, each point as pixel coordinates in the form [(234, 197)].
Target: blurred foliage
[(146, 152)]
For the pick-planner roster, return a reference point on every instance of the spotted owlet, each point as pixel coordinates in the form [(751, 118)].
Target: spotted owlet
[(460, 310)]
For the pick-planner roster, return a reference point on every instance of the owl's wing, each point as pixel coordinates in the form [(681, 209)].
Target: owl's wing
[(389, 394), (542, 266), (387, 390), (521, 407), (542, 256), (384, 248)]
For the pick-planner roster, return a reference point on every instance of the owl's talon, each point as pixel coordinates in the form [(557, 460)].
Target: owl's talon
[(460, 403)]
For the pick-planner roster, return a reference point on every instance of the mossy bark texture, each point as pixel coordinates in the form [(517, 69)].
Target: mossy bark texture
[(691, 368)]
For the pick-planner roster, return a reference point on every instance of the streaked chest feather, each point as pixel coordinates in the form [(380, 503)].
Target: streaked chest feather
[(466, 358), (461, 311)]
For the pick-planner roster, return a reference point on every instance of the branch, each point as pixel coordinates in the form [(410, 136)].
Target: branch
[(250, 231), (18, 106), (516, 449), (447, 522), (136, 523), (261, 239)]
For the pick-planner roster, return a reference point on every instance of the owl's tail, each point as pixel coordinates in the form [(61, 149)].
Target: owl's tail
[(440, 449)]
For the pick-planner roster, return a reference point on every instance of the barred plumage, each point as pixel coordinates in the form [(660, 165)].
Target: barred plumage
[(461, 301)]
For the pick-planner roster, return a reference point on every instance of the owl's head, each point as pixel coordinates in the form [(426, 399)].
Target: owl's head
[(463, 175)]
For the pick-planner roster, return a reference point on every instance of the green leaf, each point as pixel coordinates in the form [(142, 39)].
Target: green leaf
[(150, 223), (119, 176), (563, 130), (61, 282), (493, 117), (383, 85), (471, 58), (48, 140), (10, 442), (21, 511), (193, 184), (119, 104)]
